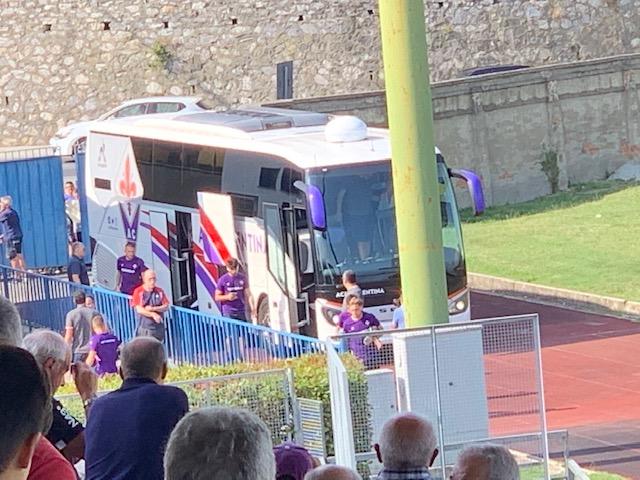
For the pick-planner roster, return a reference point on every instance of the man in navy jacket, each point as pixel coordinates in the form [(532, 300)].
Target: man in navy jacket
[(127, 430)]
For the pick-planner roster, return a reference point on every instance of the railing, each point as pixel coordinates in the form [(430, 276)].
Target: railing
[(23, 153), (192, 337)]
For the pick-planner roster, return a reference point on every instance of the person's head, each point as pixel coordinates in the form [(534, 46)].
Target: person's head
[(130, 250), (355, 304), (232, 266), (348, 277), (292, 461), (69, 188), (10, 324), (332, 472), (98, 324), (5, 202), (143, 357), (52, 354), (80, 298), (25, 410), (89, 302), (407, 441), (149, 279), (486, 462), (77, 249), (220, 443)]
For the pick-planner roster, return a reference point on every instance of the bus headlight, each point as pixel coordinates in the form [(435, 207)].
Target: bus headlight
[(459, 304), (330, 311)]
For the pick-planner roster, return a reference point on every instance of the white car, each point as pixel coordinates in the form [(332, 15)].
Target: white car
[(68, 139)]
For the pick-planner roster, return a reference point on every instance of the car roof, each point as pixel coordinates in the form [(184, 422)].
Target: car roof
[(169, 98)]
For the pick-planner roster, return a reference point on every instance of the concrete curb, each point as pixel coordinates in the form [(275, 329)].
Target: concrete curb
[(481, 282)]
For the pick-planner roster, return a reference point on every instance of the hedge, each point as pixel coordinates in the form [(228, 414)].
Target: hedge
[(266, 395)]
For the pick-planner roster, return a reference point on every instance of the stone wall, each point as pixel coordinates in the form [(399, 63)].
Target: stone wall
[(67, 60), (586, 113)]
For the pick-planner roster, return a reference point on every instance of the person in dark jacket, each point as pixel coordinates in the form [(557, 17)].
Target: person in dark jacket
[(11, 233), (127, 429)]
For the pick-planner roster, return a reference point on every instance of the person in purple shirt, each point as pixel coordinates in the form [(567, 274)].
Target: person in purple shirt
[(130, 270), (103, 347), (233, 292), (355, 320)]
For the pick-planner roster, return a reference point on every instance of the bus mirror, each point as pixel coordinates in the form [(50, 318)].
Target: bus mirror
[(315, 204), (475, 188)]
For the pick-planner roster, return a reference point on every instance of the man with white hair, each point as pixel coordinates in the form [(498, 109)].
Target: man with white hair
[(129, 427), (332, 472), (11, 233), (486, 462), (53, 356), (220, 443), (407, 448)]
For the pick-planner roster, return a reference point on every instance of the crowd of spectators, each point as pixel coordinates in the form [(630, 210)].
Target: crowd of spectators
[(144, 430)]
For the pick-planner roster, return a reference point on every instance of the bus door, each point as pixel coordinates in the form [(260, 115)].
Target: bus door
[(296, 230), (183, 273), (160, 262), (286, 306)]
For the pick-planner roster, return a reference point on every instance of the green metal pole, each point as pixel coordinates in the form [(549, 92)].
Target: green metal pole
[(415, 182)]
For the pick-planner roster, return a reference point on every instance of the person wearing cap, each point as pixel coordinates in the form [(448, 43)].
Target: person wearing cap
[(292, 461)]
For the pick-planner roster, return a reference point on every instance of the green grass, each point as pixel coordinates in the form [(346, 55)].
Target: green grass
[(537, 473), (584, 239)]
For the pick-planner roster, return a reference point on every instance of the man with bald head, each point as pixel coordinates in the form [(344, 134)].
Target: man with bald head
[(129, 427), (486, 462), (150, 303), (332, 472), (407, 448)]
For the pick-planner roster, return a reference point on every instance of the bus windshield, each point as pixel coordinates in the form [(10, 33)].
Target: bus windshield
[(361, 226)]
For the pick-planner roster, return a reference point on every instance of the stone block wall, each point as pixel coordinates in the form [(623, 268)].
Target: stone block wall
[(69, 60), (587, 113)]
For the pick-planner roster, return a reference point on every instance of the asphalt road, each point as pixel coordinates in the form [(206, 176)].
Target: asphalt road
[(591, 379)]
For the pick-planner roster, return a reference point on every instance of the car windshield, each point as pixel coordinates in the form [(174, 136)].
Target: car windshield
[(361, 225)]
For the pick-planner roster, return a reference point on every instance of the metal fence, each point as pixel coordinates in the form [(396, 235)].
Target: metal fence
[(192, 337), (476, 382)]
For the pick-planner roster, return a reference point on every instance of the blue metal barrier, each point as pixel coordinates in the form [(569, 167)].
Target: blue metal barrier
[(192, 337)]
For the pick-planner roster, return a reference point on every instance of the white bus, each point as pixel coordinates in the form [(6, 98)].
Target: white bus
[(298, 197)]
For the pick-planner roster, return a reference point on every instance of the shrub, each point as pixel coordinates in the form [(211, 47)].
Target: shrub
[(265, 395)]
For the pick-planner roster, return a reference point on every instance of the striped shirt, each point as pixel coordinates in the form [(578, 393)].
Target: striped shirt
[(413, 474)]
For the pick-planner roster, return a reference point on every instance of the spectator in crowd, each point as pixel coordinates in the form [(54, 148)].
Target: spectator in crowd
[(11, 234), (150, 303), (332, 472), (129, 427), (78, 327), (130, 268), (76, 269), (47, 463), (24, 411), (89, 302), (233, 292), (355, 320), (103, 347), (351, 287), (292, 461), (407, 448), (72, 210), (398, 314), (485, 462), (220, 443), (54, 358)]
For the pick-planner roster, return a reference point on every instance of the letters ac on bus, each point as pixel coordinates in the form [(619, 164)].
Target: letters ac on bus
[(298, 197)]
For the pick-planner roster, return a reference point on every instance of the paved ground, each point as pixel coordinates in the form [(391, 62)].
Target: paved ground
[(592, 380)]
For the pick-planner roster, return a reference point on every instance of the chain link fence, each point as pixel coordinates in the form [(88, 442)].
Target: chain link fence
[(269, 394), (476, 382)]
